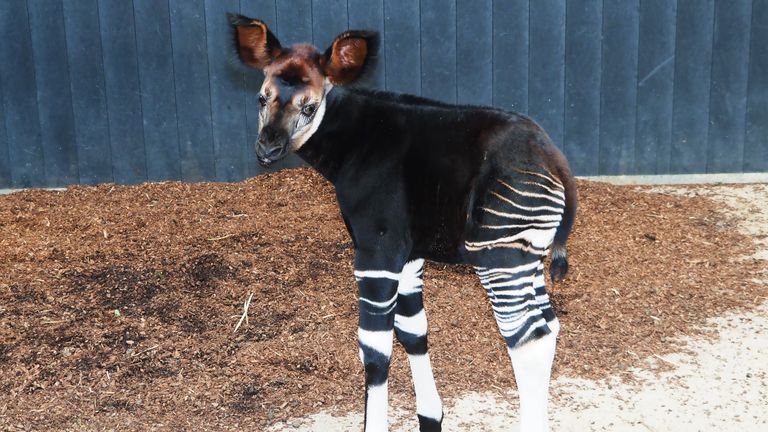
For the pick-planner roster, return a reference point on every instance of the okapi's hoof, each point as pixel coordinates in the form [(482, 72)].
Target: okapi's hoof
[(427, 424)]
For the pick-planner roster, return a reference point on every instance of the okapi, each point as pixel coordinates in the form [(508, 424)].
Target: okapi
[(422, 180)]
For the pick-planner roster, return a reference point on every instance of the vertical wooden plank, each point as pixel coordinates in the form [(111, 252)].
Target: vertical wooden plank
[(474, 52), (619, 87), (756, 140), (728, 91), (403, 47), (582, 85), (158, 98), (89, 102), (17, 75), (5, 162), (510, 54), (655, 76), (546, 66), (57, 125), (690, 116), (438, 49), (227, 94), (118, 38), (329, 18), (369, 15), (294, 19), (193, 96)]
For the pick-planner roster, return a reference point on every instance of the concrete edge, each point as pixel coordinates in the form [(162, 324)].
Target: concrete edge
[(655, 179), (10, 191), (682, 179)]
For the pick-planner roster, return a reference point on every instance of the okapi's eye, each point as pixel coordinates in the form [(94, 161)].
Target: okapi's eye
[(308, 110), (262, 100)]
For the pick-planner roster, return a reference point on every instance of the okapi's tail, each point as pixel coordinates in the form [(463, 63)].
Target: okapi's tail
[(558, 268)]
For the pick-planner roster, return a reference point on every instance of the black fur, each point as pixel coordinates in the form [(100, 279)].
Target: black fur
[(558, 268), (427, 424), (420, 159)]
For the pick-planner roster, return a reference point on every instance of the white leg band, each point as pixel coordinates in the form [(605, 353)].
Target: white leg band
[(427, 400), (532, 365), (376, 408)]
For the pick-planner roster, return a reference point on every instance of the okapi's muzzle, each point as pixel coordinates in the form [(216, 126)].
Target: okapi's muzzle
[(271, 146)]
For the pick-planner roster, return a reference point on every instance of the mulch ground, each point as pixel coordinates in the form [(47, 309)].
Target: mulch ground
[(118, 303)]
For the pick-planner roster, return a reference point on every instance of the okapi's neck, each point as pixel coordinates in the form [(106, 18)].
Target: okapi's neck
[(330, 146)]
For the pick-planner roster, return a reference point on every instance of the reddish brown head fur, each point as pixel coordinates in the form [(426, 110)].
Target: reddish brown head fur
[(296, 81), (342, 63)]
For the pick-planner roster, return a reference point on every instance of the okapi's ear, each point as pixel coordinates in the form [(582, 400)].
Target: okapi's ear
[(350, 54), (256, 45)]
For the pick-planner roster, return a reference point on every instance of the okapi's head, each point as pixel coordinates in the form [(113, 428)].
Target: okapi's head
[(297, 80)]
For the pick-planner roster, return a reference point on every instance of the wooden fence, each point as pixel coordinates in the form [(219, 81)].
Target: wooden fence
[(128, 91)]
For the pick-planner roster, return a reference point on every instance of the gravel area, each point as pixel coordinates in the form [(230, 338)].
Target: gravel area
[(118, 309)]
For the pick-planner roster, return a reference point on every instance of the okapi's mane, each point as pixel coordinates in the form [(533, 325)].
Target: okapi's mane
[(420, 101), (405, 99)]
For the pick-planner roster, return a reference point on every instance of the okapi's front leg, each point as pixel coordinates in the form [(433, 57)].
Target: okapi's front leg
[(377, 283), (411, 331)]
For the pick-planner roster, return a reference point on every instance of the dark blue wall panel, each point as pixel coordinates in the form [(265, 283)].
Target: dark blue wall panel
[(294, 21), (89, 99), (655, 78), (474, 52), (510, 54), (438, 49), (728, 92), (329, 18), (227, 96), (135, 90), (5, 161), (618, 87), (756, 140), (403, 46), (690, 116), (57, 124), (582, 85), (546, 66), (158, 97), (25, 148), (118, 36), (369, 15), (192, 89)]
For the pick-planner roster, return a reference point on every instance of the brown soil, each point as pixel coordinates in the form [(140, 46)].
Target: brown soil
[(118, 303)]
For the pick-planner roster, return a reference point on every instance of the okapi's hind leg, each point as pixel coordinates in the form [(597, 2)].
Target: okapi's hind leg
[(411, 331), (514, 221), (529, 327)]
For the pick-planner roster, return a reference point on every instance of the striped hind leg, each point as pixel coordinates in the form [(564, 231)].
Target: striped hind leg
[(513, 222), (529, 327), (411, 331)]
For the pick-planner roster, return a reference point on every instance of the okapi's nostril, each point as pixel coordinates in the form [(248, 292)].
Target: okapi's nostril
[(273, 151)]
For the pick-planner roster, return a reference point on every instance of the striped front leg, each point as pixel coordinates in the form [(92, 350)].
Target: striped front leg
[(378, 300), (411, 330)]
